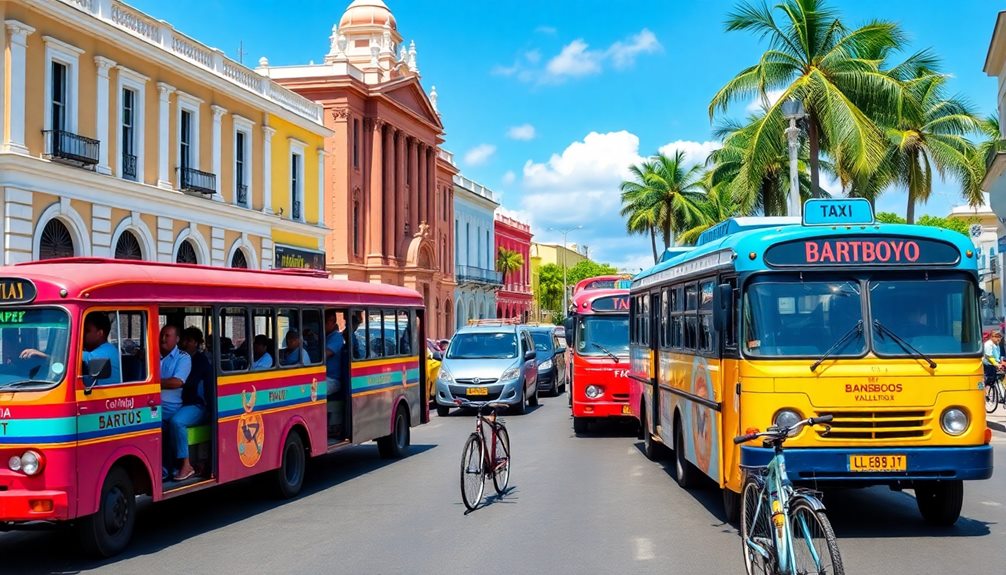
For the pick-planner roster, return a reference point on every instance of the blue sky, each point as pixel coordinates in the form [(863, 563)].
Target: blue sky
[(546, 102)]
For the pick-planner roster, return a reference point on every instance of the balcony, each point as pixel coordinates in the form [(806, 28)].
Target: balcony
[(471, 274), (295, 210), (71, 148), (998, 147), (192, 180), (129, 166), (242, 192)]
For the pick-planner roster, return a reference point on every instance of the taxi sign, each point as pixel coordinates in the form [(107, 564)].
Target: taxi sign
[(611, 303), (16, 291), (837, 212)]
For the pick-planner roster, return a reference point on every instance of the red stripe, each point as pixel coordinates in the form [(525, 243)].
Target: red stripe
[(119, 403), (236, 388), (386, 368), (41, 411)]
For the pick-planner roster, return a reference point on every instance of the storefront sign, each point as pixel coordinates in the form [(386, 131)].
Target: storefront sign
[(288, 257)]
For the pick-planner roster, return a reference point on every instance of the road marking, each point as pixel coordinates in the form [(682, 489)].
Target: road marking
[(992, 503), (637, 471), (632, 450), (644, 549)]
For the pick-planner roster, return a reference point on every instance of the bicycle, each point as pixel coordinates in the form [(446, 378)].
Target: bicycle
[(784, 530), (478, 461), (994, 392)]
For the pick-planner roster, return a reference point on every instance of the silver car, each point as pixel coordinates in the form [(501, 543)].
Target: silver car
[(489, 363)]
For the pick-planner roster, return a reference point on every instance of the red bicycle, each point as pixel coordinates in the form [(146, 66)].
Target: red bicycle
[(480, 458)]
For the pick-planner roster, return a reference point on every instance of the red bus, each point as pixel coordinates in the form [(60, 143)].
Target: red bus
[(599, 342), (81, 431)]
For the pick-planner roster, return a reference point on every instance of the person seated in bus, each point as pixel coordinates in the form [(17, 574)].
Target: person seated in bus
[(293, 353), (354, 334), (97, 326), (175, 368), (311, 345), (335, 347), (193, 410), (260, 349)]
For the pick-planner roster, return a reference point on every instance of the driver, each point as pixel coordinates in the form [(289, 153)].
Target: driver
[(96, 329)]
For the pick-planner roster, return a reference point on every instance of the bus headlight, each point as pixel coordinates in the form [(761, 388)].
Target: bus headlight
[(786, 418), (954, 421), (593, 391), (31, 462)]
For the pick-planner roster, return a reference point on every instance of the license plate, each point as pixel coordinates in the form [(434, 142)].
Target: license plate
[(875, 463), (626, 410), (478, 391)]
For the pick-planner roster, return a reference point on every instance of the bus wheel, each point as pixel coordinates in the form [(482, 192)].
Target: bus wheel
[(731, 506), (108, 531), (650, 447), (940, 501), (290, 475), (684, 471), (395, 445), (579, 424)]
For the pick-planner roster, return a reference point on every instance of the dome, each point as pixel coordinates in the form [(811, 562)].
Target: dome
[(368, 13)]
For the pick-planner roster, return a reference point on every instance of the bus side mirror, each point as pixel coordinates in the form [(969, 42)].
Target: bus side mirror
[(570, 325), (97, 368), (722, 306)]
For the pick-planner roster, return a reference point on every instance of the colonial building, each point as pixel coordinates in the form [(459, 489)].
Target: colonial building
[(985, 231), (514, 298), (389, 194), (124, 138), (995, 177), (475, 251)]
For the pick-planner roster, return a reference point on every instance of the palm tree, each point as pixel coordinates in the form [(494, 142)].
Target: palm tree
[(508, 261), (833, 71), (717, 206), (639, 207), (667, 187)]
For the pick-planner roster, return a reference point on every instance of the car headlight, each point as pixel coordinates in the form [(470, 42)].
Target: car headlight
[(954, 421), (545, 365), (445, 375), (30, 462), (786, 418), (594, 391), (512, 373)]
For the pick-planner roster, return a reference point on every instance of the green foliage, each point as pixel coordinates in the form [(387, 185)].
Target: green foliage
[(889, 218), (959, 225), (548, 291), (586, 269), (508, 261)]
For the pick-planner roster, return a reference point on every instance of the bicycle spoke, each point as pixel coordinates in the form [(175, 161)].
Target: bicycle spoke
[(815, 549)]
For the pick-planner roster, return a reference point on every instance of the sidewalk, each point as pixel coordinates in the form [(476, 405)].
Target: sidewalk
[(997, 420)]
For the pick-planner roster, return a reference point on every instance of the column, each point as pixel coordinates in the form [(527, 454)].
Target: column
[(321, 187), (101, 231), (375, 246), (413, 160), (267, 134), (103, 113), (421, 188), (388, 209), (431, 185), (18, 33), (164, 135), (401, 192), (218, 114)]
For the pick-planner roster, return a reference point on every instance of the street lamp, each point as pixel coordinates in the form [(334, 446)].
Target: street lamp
[(792, 110), (565, 301)]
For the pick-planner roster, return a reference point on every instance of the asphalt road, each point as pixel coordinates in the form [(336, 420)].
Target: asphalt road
[(578, 505)]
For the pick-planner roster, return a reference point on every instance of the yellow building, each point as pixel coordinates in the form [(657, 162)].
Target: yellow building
[(557, 254), (122, 137)]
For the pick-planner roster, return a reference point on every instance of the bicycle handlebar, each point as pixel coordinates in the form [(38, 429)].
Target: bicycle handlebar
[(479, 404), (777, 433)]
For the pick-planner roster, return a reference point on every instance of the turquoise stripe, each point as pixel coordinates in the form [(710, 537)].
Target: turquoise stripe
[(388, 378), (266, 397), (52, 426), (121, 421)]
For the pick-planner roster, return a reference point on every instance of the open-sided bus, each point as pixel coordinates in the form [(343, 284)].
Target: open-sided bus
[(79, 440), (599, 355), (770, 321)]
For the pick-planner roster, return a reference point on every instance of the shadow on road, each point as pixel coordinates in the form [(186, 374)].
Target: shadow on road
[(610, 428), (505, 498), (165, 524)]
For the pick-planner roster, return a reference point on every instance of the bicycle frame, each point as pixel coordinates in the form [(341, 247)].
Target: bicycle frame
[(489, 455)]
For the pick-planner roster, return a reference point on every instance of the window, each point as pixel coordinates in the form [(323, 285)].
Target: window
[(238, 260), (234, 339), (291, 348), (129, 336), (188, 137), (406, 336), (313, 335), (390, 333), (264, 339), (468, 242), (356, 227), (61, 66), (936, 317), (56, 241), (128, 247), (360, 339), (356, 143), (296, 182), (38, 329), (691, 340), (186, 253), (730, 333), (705, 320), (58, 101), (128, 140), (665, 321), (240, 165), (185, 141), (131, 88)]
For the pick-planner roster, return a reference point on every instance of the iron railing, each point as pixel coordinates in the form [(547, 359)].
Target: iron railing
[(63, 145), (295, 212), (474, 274), (192, 180), (999, 147), (129, 166), (242, 195)]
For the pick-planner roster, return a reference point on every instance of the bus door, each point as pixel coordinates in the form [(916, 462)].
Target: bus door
[(727, 324), (421, 407)]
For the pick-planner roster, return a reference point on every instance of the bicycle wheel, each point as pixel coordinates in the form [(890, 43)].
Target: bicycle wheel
[(473, 475), (815, 549), (992, 398), (757, 543), (501, 475)]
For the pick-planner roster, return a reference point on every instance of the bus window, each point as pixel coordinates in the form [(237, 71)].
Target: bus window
[(235, 352), (313, 335), (665, 321), (691, 320), (292, 352), (264, 342), (406, 334), (929, 315), (781, 322), (361, 343), (677, 317), (33, 346), (129, 335), (390, 338), (705, 320)]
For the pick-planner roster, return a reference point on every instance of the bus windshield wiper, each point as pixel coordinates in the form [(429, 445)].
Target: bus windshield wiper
[(24, 382), (884, 329), (605, 350), (854, 330)]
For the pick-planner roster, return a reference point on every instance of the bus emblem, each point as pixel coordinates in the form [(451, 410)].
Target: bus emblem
[(251, 431)]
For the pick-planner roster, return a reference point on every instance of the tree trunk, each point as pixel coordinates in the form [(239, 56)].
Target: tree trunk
[(653, 242), (910, 212), (815, 151)]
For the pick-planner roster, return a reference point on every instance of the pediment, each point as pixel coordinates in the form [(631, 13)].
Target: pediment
[(408, 94)]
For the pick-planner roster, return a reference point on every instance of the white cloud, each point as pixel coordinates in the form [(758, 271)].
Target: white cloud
[(577, 59), (695, 152), (509, 177), (623, 54), (758, 103), (521, 132), (480, 154)]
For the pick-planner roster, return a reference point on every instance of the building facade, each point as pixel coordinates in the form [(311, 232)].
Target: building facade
[(124, 138), (389, 193), (555, 254), (985, 231), (514, 298), (994, 183), (475, 251)]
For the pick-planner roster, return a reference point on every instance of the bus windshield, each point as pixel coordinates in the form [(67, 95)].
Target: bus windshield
[(483, 345), (601, 334), (33, 347), (803, 318), (937, 317)]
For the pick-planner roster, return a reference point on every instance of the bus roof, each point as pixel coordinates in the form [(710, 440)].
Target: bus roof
[(586, 284), (106, 280), (753, 237), (584, 301)]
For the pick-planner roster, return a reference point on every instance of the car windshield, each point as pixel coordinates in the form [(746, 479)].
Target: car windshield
[(935, 317), (483, 345), (542, 341), (802, 318), (601, 334), (33, 347)]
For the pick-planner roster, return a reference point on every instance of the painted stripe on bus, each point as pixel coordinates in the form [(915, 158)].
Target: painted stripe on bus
[(256, 377), (272, 410), (266, 399)]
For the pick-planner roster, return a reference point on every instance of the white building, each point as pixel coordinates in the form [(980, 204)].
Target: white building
[(475, 253), (985, 231)]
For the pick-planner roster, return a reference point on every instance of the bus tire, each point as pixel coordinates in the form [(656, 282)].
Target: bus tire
[(396, 445), (731, 506), (580, 425), (289, 478), (940, 501), (650, 448), (107, 532), (684, 472)]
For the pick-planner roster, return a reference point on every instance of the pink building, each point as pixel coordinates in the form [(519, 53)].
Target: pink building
[(514, 299)]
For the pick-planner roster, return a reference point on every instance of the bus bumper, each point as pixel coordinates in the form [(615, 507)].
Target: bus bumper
[(601, 409), (25, 505), (923, 463)]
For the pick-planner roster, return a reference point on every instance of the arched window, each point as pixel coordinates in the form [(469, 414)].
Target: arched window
[(128, 247), (238, 260), (56, 241), (186, 253)]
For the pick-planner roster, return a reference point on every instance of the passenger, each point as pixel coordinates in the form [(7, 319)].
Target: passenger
[(175, 368), (359, 343), (311, 344), (293, 353), (97, 326), (260, 347), (193, 410), (335, 347)]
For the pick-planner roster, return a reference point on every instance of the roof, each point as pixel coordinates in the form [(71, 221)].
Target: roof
[(499, 328), (97, 279), (995, 55)]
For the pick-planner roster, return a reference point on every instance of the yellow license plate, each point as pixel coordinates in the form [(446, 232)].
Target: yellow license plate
[(478, 391), (626, 410), (875, 463)]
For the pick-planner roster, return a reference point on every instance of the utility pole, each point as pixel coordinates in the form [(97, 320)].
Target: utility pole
[(241, 52), (565, 295)]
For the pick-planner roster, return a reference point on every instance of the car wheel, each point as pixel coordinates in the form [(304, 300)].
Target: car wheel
[(521, 405), (533, 400)]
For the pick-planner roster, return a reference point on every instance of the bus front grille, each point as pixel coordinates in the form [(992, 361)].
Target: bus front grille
[(876, 425)]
